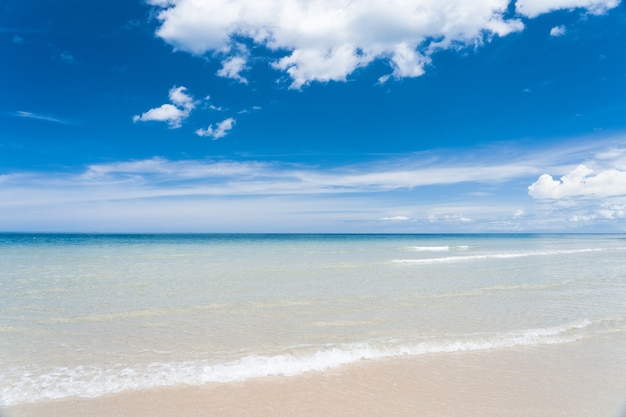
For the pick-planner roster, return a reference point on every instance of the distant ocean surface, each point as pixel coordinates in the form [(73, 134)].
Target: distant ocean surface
[(89, 315)]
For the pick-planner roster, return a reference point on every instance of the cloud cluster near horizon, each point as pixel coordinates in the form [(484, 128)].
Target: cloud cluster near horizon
[(163, 178), (580, 182), (584, 193), (327, 40), (419, 190), (252, 195)]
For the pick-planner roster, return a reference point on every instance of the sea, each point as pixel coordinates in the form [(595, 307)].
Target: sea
[(87, 315)]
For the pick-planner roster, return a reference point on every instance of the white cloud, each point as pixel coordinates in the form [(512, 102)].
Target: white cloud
[(318, 64), (406, 62), (45, 117), (235, 64), (18, 39), (384, 195), (324, 40), (395, 219), (444, 216), (253, 109), (158, 194), (181, 99), (557, 31), (166, 113), (533, 8), (327, 40), (173, 114), (614, 212), (259, 178), (456, 218), (580, 183), (219, 131)]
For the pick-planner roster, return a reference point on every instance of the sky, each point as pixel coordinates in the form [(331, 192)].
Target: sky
[(320, 116)]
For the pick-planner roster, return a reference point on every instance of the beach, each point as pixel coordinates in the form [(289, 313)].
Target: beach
[(578, 380), (463, 325)]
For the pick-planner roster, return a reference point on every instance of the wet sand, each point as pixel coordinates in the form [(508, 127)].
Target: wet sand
[(579, 379)]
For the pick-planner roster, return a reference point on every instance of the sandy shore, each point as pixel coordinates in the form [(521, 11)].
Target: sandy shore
[(580, 379)]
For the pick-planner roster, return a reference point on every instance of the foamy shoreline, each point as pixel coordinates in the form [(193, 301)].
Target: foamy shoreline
[(283, 325), (582, 379), (92, 382)]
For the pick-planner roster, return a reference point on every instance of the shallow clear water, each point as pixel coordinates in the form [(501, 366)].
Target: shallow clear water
[(89, 315)]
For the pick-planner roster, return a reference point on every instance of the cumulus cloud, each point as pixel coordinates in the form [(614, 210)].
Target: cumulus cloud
[(533, 8), (179, 97), (232, 68), (323, 40), (219, 131), (557, 31), (327, 40), (235, 63), (175, 113), (580, 182)]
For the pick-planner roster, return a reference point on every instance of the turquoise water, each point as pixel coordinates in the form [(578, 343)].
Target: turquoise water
[(88, 315)]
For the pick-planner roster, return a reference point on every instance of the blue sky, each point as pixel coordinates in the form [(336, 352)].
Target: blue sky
[(318, 116)]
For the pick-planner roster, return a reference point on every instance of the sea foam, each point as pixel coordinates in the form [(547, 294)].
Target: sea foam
[(27, 385), (430, 248), (504, 255)]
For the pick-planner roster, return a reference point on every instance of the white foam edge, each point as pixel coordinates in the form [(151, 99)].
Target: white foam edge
[(429, 248), (91, 382), (509, 255)]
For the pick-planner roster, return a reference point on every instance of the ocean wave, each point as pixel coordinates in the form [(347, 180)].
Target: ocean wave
[(429, 248), (505, 255), (443, 248), (27, 385)]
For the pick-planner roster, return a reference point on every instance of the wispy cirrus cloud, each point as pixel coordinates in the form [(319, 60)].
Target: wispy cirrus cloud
[(158, 177), (420, 191), (321, 41), (43, 117), (247, 196), (236, 178)]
